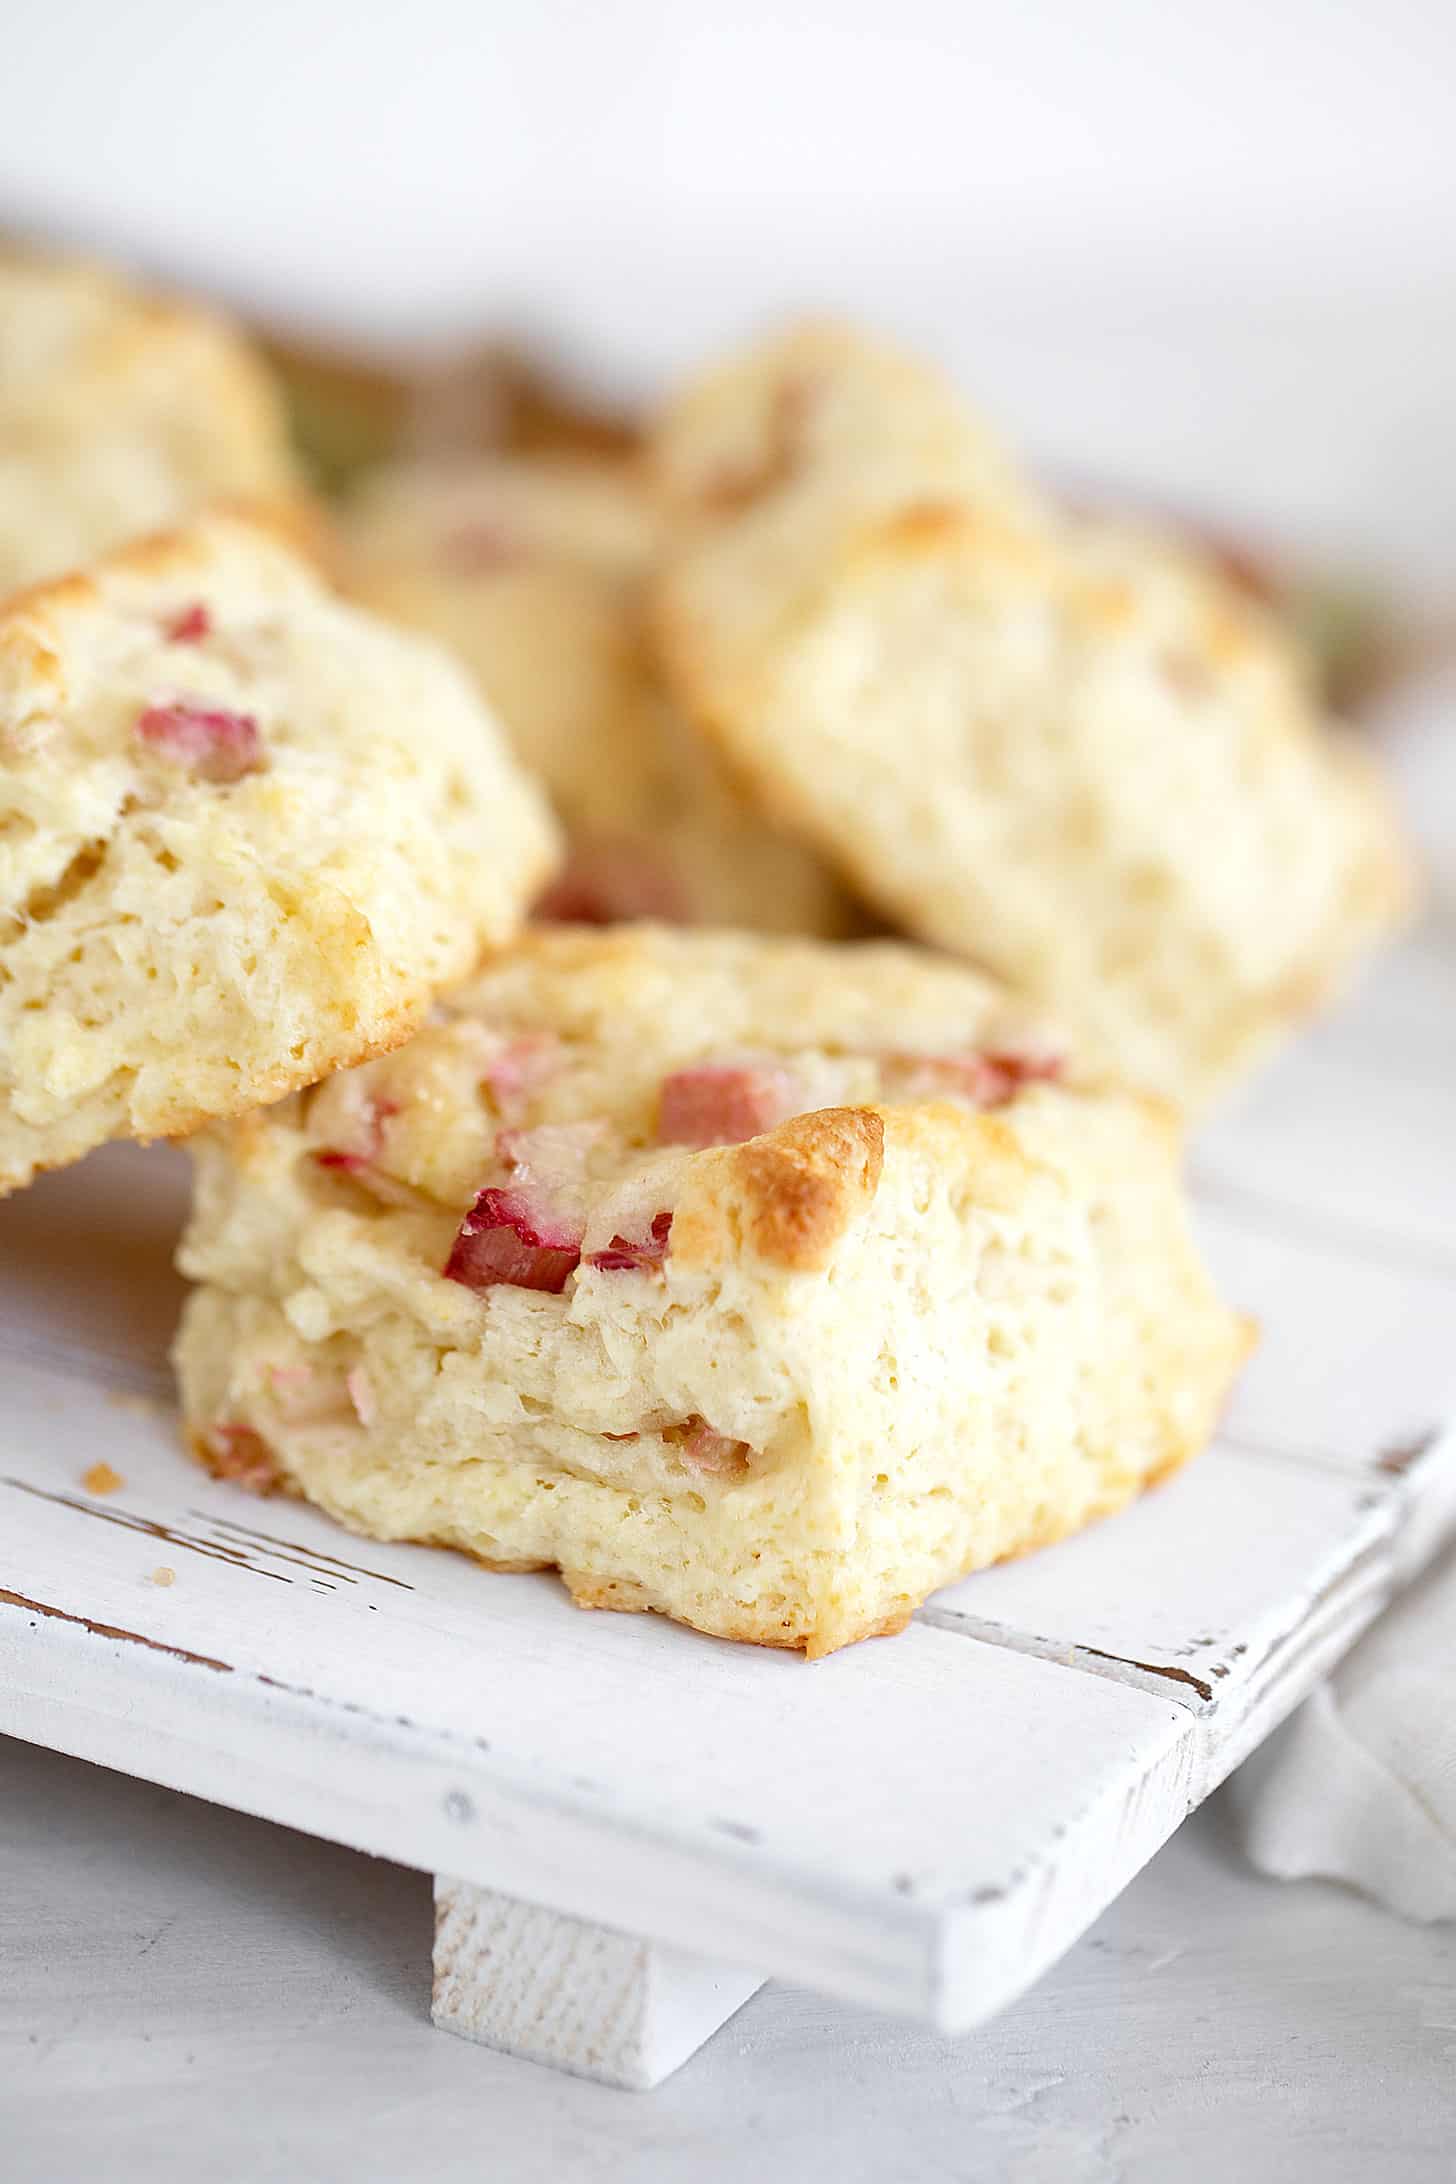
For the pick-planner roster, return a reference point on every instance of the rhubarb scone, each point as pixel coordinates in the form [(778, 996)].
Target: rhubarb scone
[(763, 1283), (120, 412), (532, 570), (245, 832), (1067, 750)]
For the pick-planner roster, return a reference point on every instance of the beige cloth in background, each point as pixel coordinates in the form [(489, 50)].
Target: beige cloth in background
[(1360, 1785)]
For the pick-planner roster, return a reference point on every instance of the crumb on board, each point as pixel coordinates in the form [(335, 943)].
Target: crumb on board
[(101, 1479), (162, 1575)]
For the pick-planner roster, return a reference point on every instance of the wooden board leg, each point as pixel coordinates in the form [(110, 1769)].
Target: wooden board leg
[(567, 1992)]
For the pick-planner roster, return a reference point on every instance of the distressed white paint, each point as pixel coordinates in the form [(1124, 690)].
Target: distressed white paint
[(923, 1823), (825, 1822), (573, 1993), (1268, 1556)]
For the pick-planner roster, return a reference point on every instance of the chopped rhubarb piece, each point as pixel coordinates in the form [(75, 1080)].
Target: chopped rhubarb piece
[(240, 1454), (609, 878), (369, 1144), (704, 1449), (1014, 1070), (721, 1103), (214, 745), (989, 1080), (191, 626), (514, 1237), (626, 1255)]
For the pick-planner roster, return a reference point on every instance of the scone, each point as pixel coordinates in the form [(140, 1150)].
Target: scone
[(245, 832), (120, 412), (820, 404), (531, 569), (1064, 749), (760, 1282)]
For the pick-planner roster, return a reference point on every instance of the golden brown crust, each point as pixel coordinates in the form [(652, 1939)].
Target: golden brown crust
[(33, 619), (177, 551), (785, 1198), (803, 1184)]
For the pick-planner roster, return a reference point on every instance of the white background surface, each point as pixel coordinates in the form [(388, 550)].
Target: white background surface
[(190, 1997), (1205, 251)]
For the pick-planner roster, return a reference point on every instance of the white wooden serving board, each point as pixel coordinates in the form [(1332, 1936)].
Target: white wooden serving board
[(635, 1823)]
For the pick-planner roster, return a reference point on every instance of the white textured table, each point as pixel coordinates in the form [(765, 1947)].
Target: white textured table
[(191, 1997)]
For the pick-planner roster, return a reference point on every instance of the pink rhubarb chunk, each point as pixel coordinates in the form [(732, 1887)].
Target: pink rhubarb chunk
[(1004, 1074), (214, 745), (515, 1236), (626, 1255), (721, 1103), (191, 626), (704, 1449), (987, 1079), (368, 1145)]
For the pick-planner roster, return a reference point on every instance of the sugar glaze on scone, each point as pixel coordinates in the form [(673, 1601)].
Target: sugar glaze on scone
[(120, 412), (245, 833), (532, 570), (1068, 750), (760, 1283)]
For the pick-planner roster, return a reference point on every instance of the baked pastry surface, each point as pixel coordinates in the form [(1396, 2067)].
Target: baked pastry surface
[(532, 569), (121, 412), (765, 1284), (1068, 750), (246, 831)]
